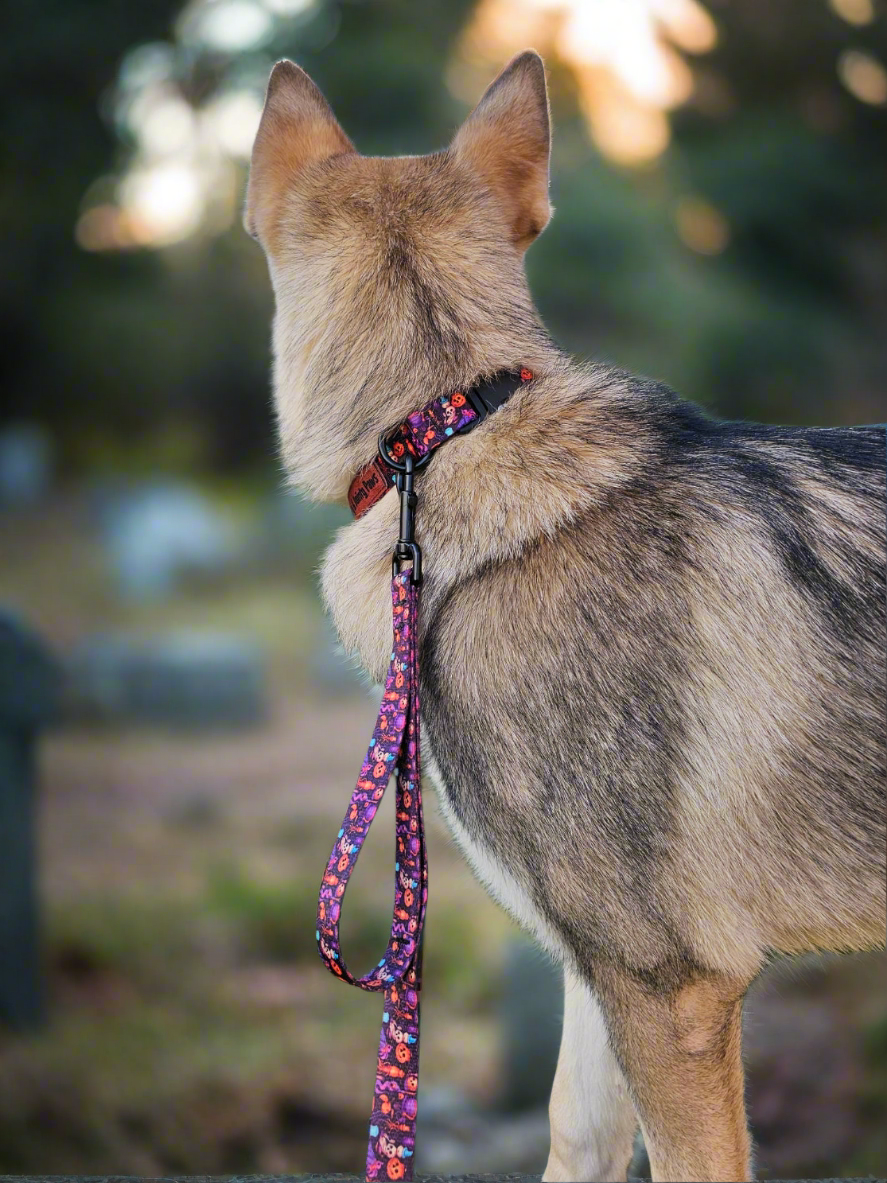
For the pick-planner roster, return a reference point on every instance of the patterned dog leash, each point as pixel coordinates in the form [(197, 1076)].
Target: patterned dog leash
[(394, 749)]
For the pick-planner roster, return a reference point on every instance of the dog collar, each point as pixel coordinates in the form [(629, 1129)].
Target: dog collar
[(426, 429)]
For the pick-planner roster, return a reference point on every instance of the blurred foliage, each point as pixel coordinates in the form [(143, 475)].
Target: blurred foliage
[(798, 166), (785, 323)]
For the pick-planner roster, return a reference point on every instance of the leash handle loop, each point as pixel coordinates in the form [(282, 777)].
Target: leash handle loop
[(394, 749)]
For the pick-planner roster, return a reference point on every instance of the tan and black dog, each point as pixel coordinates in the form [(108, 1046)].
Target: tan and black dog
[(653, 654)]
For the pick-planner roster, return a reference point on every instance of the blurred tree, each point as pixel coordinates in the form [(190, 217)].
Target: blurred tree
[(786, 137), (748, 266), (54, 71)]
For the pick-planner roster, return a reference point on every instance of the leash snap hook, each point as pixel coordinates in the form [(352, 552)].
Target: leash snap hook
[(407, 549)]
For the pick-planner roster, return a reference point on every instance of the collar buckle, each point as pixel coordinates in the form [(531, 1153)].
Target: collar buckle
[(489, 396)]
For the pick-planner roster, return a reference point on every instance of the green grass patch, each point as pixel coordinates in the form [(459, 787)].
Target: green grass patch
[(275, 921), (146, 939)]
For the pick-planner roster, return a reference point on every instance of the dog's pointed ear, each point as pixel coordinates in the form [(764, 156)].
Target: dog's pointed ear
[(507, 140), (297, 128)]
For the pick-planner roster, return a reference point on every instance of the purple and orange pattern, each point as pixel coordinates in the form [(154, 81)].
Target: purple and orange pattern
[(419, 433), (394, 750), (436, 422)]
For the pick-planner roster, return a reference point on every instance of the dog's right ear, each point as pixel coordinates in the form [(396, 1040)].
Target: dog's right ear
[(506, 140), (297, 128)]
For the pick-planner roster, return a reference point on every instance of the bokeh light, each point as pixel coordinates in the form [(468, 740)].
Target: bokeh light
[(230, 26), (855, 12), (864, 77), (621, 53), (233, 120), (180, 180)]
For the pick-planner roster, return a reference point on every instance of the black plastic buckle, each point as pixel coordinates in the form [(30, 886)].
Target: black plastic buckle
[(487, 397)]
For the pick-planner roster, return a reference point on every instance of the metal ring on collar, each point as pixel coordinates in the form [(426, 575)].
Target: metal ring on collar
[(398, 465)]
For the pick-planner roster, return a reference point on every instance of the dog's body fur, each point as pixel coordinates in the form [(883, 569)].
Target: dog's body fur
[(653, 645)]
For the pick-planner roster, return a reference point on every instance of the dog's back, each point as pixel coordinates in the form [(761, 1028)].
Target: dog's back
[(690, 681)]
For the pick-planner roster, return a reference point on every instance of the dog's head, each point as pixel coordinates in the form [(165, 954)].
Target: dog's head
[(395, 278)]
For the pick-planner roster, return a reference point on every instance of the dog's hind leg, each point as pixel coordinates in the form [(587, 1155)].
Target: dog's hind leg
[(593, 1120), (680, 1051)]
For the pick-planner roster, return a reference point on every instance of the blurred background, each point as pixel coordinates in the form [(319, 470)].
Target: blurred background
[(178, 734)]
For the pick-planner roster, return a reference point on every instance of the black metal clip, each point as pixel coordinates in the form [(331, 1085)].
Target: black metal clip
[(407, 548)]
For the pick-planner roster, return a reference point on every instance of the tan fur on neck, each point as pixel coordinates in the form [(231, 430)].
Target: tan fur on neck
[(526, 472)]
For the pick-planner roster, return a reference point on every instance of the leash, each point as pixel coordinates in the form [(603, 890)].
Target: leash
[(394, 749)]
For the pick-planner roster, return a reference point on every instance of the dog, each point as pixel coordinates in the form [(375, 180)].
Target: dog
[(652, 642)]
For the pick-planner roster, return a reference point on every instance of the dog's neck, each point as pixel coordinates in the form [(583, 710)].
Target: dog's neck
[(334, 400), (559, 447)]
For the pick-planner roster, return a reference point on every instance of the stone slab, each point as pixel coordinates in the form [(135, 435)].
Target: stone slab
[(329, 1178)]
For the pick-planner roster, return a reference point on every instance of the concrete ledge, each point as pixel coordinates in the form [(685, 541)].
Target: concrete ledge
[(315, 1179)]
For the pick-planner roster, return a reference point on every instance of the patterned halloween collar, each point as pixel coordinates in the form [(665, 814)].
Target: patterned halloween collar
[(428, 428)]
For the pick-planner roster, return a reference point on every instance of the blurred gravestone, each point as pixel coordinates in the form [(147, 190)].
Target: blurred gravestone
[(25, 465), (295, 529), (28, 697), (639, 1167), (160, 531), (183, 680), (532, 1016)]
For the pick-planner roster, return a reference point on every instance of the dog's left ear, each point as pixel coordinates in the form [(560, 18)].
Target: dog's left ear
[(297, 128), (507, 141)]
